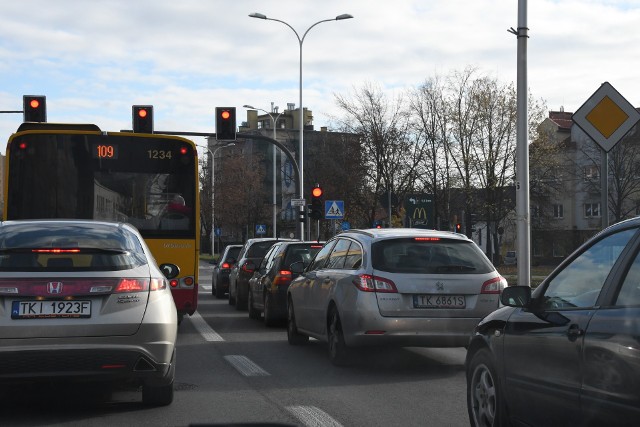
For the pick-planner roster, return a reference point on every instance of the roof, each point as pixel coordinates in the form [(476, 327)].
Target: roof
[(563, 119)]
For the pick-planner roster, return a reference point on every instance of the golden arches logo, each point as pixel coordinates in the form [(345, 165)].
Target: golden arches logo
[(420, 213)]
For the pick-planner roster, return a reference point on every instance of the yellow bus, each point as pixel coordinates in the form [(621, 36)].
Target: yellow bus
[(147, 180)]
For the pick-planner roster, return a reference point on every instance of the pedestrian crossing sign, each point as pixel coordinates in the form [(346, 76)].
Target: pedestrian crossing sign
[(334, 209), (261, 229)]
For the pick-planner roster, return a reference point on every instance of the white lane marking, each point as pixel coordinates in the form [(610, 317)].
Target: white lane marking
[(205, 288), (245, 366), (313, 417), (203, 327)]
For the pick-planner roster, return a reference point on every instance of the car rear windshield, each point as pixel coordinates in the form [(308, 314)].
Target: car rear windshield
[(301, 252), (68, 247), (429, 256), (233, 253), (259, 249)]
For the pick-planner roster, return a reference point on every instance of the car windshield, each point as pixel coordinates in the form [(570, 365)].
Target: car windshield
[(429, 256), (68, 247)]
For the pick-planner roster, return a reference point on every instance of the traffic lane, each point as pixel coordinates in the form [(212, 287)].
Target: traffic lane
[(413, 381)]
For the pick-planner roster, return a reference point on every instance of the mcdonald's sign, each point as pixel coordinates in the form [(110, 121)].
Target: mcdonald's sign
[(419, 210)]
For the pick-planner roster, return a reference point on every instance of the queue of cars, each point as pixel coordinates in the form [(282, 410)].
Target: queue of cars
[(567, 353), (85, 301)]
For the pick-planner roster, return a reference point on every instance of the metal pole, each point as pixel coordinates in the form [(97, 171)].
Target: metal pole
[(301, 124), (213, 206), (604, 180), (522, 153)]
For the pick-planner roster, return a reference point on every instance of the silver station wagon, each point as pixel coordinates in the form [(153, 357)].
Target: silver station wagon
[(392, 287)]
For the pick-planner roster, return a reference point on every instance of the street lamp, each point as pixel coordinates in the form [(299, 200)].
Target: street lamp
[(275, 121), (301, 124), (213, 217)]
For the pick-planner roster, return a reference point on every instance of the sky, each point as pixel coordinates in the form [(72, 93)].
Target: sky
[(94, 59)]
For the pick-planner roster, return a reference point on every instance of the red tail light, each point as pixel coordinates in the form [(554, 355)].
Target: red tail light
[(494, 286), (283, 278), (226, 265), (132, 285), (369, 283)]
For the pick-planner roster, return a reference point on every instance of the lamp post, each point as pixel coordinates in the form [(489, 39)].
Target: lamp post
[(275, 121), (213, 216), (301, 124)]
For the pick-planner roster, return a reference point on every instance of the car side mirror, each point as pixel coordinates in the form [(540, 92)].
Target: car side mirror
[(516, 296)]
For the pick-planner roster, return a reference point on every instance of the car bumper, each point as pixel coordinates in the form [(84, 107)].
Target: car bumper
[(366, 326), (112, 358)]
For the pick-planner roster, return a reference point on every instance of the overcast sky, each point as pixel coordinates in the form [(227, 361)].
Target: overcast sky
[(94, 59)]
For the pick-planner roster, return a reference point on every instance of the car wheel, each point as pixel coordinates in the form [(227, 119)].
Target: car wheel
[(269, 320), (157, 395), (338, 351), (484, 398), (253, 313), (220, 293), (293, 336), (241, 303), (232, 298)]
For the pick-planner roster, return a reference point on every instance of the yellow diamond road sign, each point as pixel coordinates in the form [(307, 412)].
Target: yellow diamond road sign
[(606, 116)]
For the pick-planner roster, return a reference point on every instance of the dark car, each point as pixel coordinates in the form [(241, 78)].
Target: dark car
[(249, 257), (84, 301), (221, 270), (567, 353), (268, 285)]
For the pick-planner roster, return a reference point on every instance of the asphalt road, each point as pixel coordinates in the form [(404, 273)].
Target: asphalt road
[(232, 370)]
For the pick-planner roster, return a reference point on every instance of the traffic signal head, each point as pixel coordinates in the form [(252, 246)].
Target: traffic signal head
[(226, 123), (377, 224), (317, 204), (34, 108), (458, 228), (142, 116)]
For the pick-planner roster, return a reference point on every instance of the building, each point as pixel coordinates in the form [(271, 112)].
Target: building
[(566, 186)]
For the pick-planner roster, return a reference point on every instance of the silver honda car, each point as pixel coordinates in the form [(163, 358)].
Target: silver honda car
[(85, 300), (392, 287)]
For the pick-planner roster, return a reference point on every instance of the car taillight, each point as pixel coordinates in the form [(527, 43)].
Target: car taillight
[(494, 286), (226, 265), (282, 278), (369, 283), (132, 285)]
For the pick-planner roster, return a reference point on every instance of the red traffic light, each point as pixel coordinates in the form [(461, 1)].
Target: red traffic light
[(225, 115), (458, 228), (34, 108), (142, 113), (316, 192)]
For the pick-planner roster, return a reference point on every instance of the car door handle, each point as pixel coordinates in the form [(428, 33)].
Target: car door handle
[(575, 331)]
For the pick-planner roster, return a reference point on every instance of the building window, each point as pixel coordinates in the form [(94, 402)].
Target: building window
[(591, 173), (591, 210), (558, 250), (558, 211)]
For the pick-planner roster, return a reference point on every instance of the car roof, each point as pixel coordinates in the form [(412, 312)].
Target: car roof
[(386, 233)]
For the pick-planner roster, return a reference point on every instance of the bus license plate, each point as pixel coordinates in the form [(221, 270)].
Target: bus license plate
[(439, 301), (50, 309)]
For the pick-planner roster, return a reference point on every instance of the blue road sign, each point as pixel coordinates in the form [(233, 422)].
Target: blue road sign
[(345, 225), (261, 229), (334, 209), (218, 231)]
